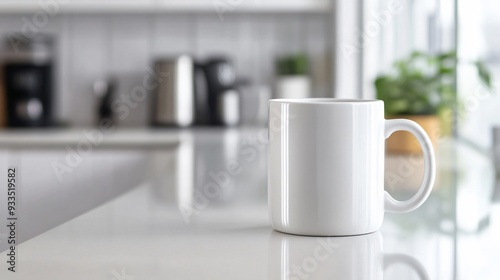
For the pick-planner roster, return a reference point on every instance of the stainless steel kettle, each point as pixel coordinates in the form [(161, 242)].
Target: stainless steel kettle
[(173, 100)]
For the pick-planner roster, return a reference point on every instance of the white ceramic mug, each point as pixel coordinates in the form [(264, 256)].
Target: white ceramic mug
[(326, 166)]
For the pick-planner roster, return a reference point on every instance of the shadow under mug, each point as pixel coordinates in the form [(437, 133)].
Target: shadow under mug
[(326, 166), (358, 257)]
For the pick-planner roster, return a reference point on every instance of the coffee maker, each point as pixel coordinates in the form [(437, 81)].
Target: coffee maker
[(223, 98), (27, 77)]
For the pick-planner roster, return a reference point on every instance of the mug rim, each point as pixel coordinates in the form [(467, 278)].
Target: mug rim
[(325, 101)]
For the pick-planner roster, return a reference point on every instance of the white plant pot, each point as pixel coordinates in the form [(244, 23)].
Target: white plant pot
[(293, 87)]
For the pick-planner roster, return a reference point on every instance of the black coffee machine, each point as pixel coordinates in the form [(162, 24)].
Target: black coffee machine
[(27, 75), (218, 92)]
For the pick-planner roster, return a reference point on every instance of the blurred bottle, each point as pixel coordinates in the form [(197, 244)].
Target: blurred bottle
[(105, 90)]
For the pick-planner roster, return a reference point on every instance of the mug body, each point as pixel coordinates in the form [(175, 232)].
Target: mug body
[(326, 166)]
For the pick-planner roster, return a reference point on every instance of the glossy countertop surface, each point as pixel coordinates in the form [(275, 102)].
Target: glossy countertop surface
[(173, 213), (98, 138)]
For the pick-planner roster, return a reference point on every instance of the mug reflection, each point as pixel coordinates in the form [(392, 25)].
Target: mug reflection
[(294, 257)]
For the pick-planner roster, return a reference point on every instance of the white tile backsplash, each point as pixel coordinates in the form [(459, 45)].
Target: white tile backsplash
[(91, 47), (130, 42), (169, 35)]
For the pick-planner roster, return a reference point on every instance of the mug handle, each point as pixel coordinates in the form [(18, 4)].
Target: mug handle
[(393, 205), (390, 259)]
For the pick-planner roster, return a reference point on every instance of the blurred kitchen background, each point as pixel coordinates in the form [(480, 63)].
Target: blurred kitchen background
[(97, 41), (97, 51), (100, 47), (300, 48), (192, 78)]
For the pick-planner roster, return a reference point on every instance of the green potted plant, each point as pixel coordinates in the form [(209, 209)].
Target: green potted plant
[(292, 77), (421, 88)]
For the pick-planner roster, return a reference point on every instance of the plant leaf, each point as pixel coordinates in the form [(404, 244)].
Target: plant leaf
[(484, 73)]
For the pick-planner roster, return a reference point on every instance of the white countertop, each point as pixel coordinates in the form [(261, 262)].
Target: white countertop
[(97, 138), (138, 215)]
